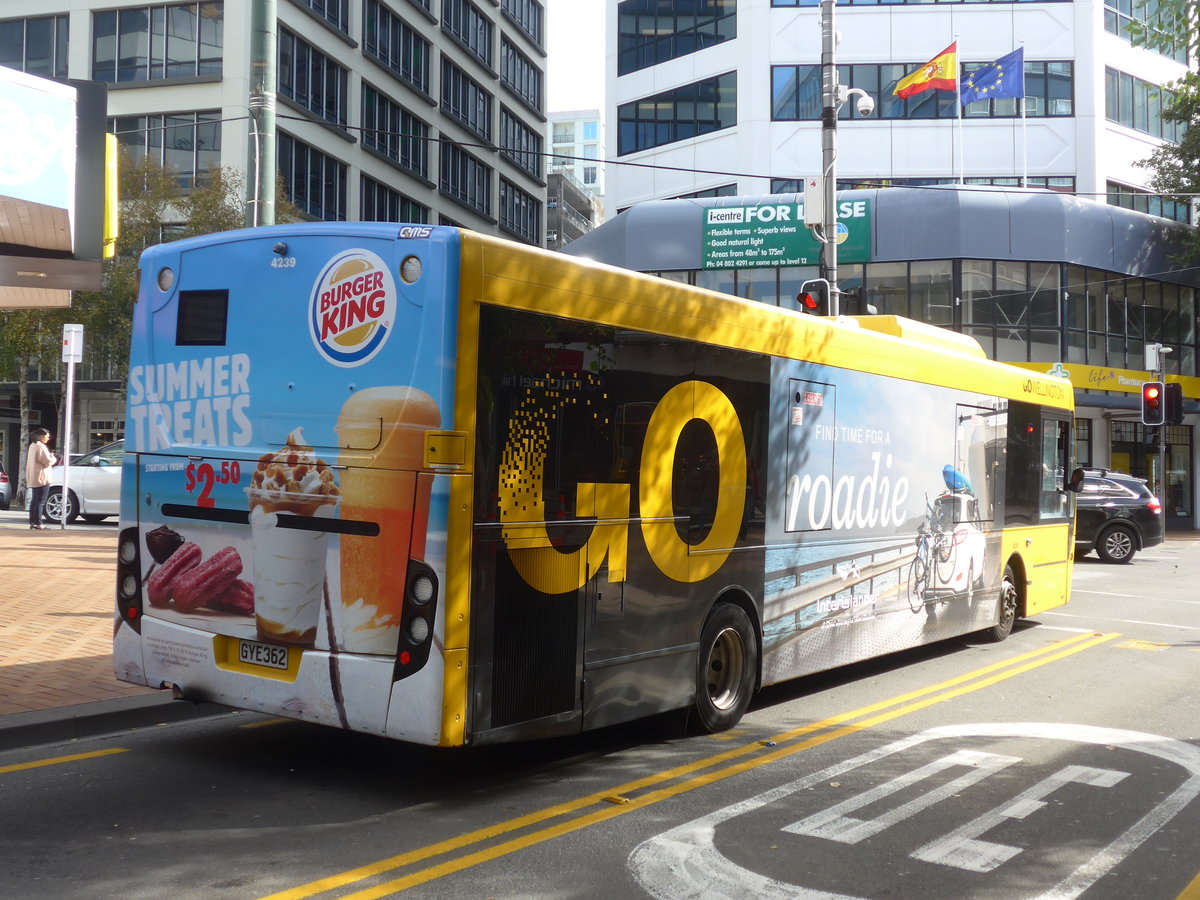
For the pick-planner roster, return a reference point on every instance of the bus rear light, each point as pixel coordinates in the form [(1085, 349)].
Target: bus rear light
[(418, 630), (416, 620), (129, 578), (422, 590)]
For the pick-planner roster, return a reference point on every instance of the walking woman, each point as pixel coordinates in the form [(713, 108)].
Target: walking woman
[(37, 474)]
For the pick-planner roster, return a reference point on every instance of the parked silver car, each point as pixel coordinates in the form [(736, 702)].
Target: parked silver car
[(6, 488), (93, 486)]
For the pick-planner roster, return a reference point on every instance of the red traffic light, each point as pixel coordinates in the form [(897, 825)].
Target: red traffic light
[(1153, 412), (809, 302)]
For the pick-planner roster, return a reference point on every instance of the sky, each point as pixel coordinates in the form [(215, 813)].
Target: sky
[(575, 48)]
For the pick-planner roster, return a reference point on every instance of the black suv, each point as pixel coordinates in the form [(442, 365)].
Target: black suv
[(1116, 515)]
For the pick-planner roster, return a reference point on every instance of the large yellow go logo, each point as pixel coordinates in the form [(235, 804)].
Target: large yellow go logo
[(547, 569)]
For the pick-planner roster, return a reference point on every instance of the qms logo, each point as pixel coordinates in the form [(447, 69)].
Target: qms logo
[(353, 308)]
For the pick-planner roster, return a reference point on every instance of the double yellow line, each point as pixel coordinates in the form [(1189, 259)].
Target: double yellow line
[(601, 806)]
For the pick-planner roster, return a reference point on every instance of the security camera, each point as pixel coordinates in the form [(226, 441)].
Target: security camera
[(865, 105)]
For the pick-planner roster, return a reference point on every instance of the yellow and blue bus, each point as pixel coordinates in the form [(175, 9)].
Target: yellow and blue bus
[(419, 482)]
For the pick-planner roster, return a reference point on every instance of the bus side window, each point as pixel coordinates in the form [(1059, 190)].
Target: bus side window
[(1056, 442), (1022, 487)]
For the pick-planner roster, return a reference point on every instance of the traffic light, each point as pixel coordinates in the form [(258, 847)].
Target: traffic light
[(813, 297), (1173, 408), (1153, 403)]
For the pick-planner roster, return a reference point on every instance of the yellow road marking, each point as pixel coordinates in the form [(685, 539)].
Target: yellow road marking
[(58, 760), (875, 714), (1192, 891)]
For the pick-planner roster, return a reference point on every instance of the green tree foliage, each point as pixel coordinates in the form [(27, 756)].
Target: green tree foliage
[(1165, 25)]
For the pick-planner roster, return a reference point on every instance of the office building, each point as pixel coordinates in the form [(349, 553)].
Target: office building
[(724, 98), (427, 111)]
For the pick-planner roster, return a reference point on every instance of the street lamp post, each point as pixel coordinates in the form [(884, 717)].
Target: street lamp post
[(829, 111)]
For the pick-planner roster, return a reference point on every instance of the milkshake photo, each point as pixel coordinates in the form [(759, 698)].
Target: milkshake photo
[(387, 426), (289, 563)]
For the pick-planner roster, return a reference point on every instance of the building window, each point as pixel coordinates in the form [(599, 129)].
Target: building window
[(1064, 184), (189, 144), (379, 203), (1144, 201), (520, 144), (335, 12), (685, 112), (310, 78), (520, 214), (461, 19), (464, 99), (1120, 14), (564, 132), (724, 190), (466, 179), (315, 183), (394, 131), (36, 46), (396, 45), (591, 131), (650, 32), (517, 71), (589, 174), (790, 4), (796, 93), (528, 14), (146, 43), (1139, 105)]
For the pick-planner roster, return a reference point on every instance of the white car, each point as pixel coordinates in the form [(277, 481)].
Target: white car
[(93, 486)]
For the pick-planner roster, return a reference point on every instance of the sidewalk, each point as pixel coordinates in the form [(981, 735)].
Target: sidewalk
[(56, 627)]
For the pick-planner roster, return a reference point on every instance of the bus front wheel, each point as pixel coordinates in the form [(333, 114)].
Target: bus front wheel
[(727, 667)]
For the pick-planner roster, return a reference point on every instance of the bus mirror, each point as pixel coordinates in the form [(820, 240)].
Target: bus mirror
[(1076, 483)]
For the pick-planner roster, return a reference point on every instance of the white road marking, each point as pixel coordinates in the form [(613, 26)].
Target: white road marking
[(1122, 621), (684, 863)]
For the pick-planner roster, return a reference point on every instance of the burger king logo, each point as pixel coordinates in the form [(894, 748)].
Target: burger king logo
[(353, 308)]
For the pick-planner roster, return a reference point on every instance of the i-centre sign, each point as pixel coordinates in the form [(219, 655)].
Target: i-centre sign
[(774, 234)]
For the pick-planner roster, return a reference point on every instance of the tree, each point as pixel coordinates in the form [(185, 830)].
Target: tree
[(1175, 168)]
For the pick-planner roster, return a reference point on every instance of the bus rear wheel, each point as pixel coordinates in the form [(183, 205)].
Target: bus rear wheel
[(1010, 599), (728, 664)]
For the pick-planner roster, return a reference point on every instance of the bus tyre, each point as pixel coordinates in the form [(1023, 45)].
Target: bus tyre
[(53, 509), (1009, 599), (727, 668), (1117, 545)]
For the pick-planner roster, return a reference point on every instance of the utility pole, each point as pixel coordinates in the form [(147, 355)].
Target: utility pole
[(829, 112), (260, 161)]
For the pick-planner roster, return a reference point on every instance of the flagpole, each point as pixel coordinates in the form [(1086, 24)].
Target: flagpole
[(1024, 129), (958, 105)]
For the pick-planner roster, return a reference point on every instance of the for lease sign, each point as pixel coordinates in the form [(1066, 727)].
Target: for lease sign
[(774, 234)]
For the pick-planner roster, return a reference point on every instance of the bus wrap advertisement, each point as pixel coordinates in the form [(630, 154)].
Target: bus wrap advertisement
[(281, 491)]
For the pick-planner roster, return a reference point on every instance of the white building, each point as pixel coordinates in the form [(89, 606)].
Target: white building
[(726, 96), (389, 110), (577, 144)]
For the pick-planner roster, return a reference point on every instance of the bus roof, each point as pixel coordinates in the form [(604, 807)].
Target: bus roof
[(569, 287)]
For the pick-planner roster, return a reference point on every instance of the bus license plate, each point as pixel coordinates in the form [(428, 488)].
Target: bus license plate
[(269, 655)]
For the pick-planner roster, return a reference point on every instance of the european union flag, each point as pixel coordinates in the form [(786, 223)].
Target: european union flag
[(1003, 78)]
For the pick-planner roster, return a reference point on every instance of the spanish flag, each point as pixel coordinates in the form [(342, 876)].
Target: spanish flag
[(939, 74)]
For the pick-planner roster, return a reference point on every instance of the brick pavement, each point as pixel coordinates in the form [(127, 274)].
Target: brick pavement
[(56, 617)]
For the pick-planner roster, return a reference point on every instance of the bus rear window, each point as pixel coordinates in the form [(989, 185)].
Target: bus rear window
[(202, 318)]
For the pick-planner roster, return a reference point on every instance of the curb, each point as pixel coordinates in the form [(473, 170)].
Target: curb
[(67, 723)]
